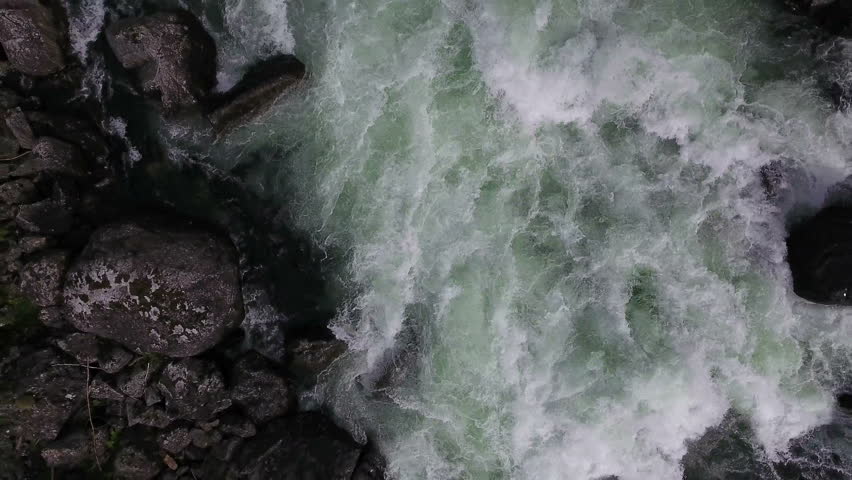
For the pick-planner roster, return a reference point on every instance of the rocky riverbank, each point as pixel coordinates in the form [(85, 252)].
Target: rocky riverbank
[(126, 312)]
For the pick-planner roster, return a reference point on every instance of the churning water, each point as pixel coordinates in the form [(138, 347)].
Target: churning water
[(548, 230)]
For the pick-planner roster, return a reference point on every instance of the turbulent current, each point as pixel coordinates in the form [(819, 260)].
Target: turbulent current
[(545, 222)]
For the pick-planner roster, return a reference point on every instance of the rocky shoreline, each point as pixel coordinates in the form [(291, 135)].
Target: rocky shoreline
[(124, 322)]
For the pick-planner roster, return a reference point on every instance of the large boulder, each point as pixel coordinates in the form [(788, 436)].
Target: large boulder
[(172, 54), (155, 287), (819, 251), (256, 92), (30, 37), (306, 445)]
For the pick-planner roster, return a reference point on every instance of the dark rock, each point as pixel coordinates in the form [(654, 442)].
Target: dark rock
[(139, 414), (258, 90), (172, 54), (308, 359), (82, 346), (48, 395), (833, 15), (17, 192), (175, 441), (261, 391), (133, 384), (20, 128), (371, 466), (44, 218), (112, 358), (232, 424), (54, 157), (9, 146), (41, 278), (820, 256), (70, 129), (75, 449), (100, 390), (202, 439), (152, 396), (155, 288), (325, 451), (136, 462), (226, 450), (9, 99), (30, 38), (51, 317), (30, 244), (194, 388)]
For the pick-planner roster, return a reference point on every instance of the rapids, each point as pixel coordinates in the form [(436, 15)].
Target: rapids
[(545, 224)]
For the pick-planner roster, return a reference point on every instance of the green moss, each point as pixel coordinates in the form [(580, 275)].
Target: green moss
[(18, 319)]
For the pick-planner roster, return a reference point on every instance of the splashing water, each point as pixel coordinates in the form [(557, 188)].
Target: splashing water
[(554, 252)]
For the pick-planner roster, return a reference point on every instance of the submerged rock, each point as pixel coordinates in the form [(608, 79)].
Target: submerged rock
[(258, 90), (155, 287), (820, 257), (833, 15), (30, 38), (172, 54), (307, 445)]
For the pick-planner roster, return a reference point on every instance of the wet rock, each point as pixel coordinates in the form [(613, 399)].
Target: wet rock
[(175, 441), (83, 347), (194, 388), (325, 451), (41, 278), (69, 129), (258, 90), (17, 192), (46, 217), (260, 390), (30, 37), (157, 288), (819, 256), (371, 466), (20, 128), (54, 157), (173, 56), (833, 15), (136, 462), (308, 359), (100, 390)]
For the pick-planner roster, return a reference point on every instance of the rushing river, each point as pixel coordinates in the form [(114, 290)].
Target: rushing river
[(547, 229)]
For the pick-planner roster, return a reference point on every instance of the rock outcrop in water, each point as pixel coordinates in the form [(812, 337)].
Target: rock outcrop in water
[(820, 259), (256, 92), (173, 56), (30, 37), (155, 287), (833, 15)]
